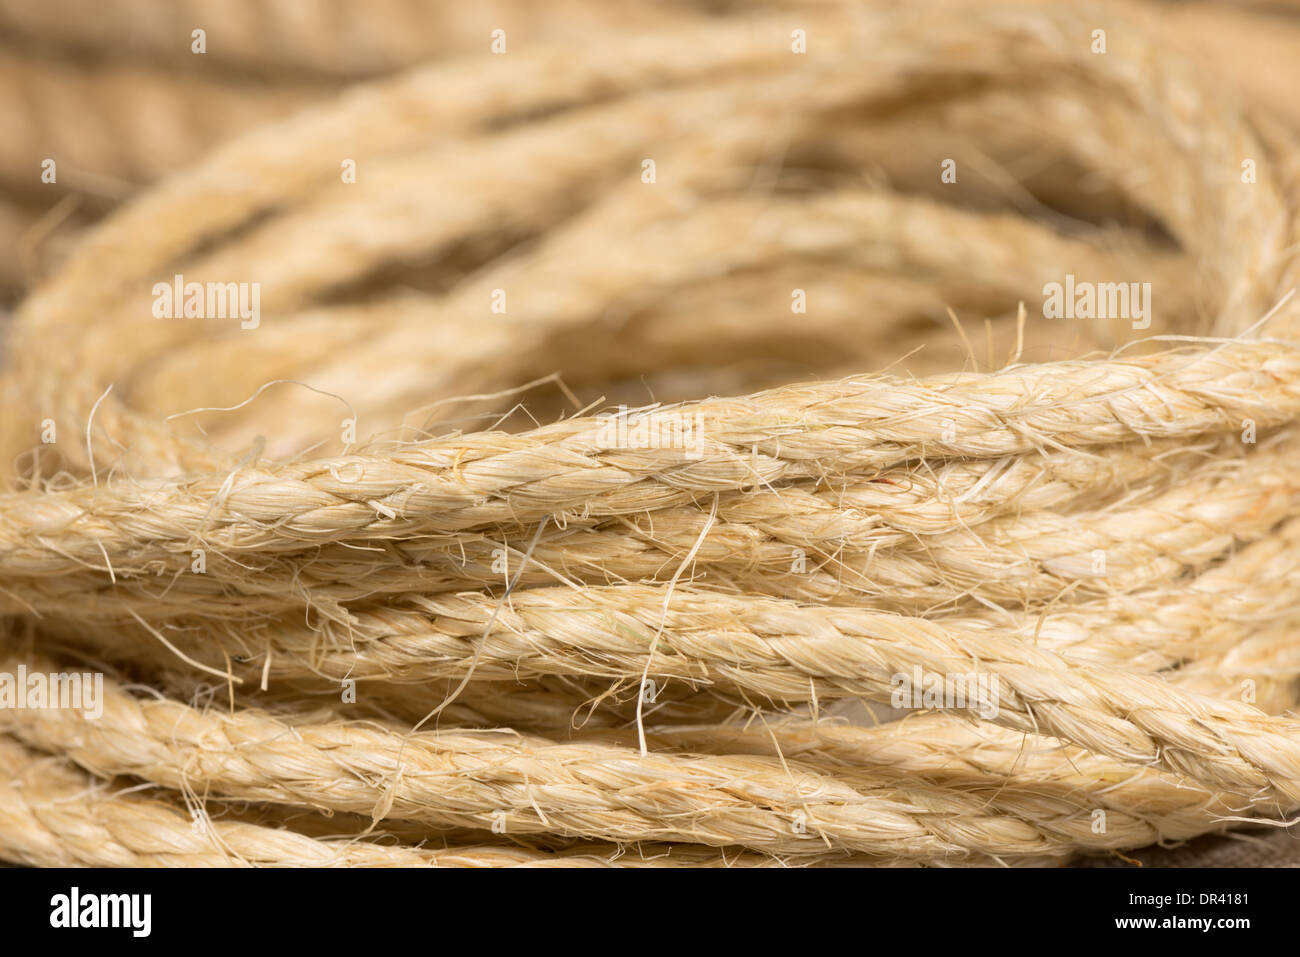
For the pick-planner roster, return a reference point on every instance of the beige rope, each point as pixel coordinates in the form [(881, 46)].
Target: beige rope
[(811, 542)]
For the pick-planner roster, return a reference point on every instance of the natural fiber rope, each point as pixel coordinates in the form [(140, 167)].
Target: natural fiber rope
[(882, 541), (460, 778), (950, 522), (54, 817)]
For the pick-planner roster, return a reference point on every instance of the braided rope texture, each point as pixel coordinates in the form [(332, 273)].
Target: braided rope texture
[(635, 436)]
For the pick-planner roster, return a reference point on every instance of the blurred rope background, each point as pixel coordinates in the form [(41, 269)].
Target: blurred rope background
[(833, 184)]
